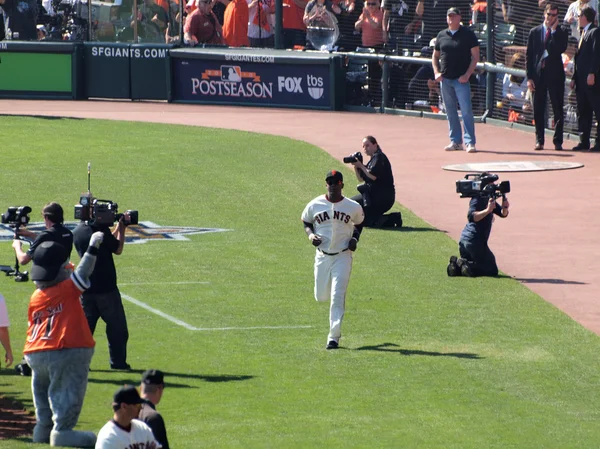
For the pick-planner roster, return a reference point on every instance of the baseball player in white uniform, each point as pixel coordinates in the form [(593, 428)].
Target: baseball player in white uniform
[(333, 224)]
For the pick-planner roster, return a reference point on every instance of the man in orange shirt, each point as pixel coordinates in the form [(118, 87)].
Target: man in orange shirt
[(59, 346), (235, 24), (294, 29)]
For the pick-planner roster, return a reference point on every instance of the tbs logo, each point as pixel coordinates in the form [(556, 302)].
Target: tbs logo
[(315, 86)]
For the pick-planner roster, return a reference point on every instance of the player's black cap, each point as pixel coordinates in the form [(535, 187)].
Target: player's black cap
[(153, 377), (335, 175), (127, 394), (453, 10), (48, 258)]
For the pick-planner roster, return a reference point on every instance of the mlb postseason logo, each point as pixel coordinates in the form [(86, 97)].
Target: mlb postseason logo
[(145, 231)]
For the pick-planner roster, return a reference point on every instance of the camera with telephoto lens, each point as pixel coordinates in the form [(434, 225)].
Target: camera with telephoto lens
[(102, 212), (481, 184), (353, 158), (16, 216)]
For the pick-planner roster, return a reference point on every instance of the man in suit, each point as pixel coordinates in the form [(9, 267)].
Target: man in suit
[(546, 74), (585, 79)]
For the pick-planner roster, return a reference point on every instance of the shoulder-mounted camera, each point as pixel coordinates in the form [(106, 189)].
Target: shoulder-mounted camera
[(481, 184), (16, 216)]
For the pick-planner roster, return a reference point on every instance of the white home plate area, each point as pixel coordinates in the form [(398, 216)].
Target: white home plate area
[(512, 166)]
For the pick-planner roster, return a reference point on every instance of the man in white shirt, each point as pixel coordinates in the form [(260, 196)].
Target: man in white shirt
[(124, 431), (333, 224)]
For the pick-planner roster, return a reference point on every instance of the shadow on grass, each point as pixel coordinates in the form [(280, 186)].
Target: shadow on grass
[(548, 281), (46, 117), (409, 229), (128, 378), (392, 347)]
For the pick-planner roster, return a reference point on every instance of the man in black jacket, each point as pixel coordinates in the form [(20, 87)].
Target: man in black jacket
[(546, 74), (151, 391), (585, 79)]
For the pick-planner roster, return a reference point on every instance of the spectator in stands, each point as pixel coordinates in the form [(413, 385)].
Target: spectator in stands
[(235, 24), (218, 7), (373, 31), (585, 80), (573, 13), (455, 57), (514, 88), (316, 8), (422, 87), (523, 14), (202, 26), (4, 335), (349, 38), (173, 25), (294, 29), (546, 75), (260, 30)]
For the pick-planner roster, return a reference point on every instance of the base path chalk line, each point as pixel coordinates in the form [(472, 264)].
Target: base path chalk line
[(193, 328)]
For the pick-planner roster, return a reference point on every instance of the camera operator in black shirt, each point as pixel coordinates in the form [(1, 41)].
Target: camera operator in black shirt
[(377, 193), (476, 258), (103, 299), (55, 232)]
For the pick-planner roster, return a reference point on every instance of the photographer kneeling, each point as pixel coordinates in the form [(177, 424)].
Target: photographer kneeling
[(476, 258), (377, 193)]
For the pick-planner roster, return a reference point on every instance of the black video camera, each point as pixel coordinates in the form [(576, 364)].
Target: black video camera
[(481, 184), (16, 216), (101, 212), (353, 158)]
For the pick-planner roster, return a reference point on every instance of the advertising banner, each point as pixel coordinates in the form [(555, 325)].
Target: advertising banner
[(48, 73), (262, 83)]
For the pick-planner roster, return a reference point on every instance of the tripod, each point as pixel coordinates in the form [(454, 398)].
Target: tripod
[(20, 276)]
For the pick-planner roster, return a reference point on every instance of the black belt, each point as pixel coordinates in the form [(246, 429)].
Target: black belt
[(333, 254)]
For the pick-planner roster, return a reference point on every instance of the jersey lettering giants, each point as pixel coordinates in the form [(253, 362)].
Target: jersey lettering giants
[(333, 222)]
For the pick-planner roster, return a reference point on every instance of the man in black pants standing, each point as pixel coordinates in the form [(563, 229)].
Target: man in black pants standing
[(103, 299), (377, 193), (546, 74)]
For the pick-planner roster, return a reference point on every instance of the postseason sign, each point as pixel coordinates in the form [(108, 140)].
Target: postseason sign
[(236, 82)]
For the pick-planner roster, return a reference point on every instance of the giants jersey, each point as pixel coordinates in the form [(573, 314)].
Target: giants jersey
[(56, 319), (113, 436), (333, 222)]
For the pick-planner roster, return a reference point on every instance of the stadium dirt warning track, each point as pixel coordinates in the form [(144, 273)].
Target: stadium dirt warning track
[(550, 242)]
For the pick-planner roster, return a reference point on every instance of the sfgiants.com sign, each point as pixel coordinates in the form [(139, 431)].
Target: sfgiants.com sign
[(214, 81)]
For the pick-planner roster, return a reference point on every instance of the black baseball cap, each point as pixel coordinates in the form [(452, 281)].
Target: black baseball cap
[(335, 175), (153, 377), (453, 10), (127, 394), (48, 259)]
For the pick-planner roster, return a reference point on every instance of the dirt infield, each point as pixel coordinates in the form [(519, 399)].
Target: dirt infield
[(549, 242)]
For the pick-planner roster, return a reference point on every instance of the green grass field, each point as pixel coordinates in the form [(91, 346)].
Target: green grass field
[(427, 361)]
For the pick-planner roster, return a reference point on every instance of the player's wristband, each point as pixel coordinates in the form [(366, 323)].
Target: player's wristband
[(311, 236), (92, 250)]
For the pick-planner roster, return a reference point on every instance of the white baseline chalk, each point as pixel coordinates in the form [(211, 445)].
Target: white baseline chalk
[(194, 328)]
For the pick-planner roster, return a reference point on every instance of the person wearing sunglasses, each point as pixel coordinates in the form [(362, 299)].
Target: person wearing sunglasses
[(202, 26), (546, 74), (333, 224)]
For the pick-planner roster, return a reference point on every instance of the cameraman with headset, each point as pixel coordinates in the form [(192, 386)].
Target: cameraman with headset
[(476, 258), (55, 232), (377, 192), (103, 299)]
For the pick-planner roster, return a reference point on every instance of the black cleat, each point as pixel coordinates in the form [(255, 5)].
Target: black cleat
[(453, 269), (332, 344), (465, 268), (123, 367)]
